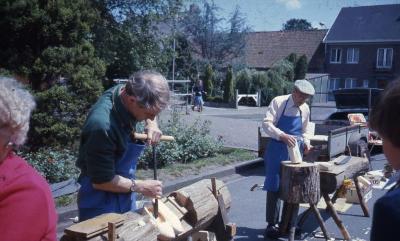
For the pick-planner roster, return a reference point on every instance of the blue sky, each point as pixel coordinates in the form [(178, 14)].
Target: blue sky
[(269, 15)]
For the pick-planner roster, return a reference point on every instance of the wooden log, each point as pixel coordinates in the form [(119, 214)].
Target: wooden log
[(299, 182), (360, 197), (320, 220), (333, 179), (200, 202), (194, 206), (335, 217)]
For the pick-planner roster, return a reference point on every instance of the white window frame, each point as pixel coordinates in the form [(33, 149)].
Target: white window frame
[(365, 83), (384, 64), (350, 83), (353, 55), (335, 83), (338, 59)]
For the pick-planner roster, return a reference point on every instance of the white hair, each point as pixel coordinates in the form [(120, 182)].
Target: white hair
[(16, 105)]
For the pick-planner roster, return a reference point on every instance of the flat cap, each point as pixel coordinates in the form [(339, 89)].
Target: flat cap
[(304, 86)]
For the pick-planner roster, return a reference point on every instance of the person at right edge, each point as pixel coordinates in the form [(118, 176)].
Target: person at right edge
[(286, 122), (385, 119)]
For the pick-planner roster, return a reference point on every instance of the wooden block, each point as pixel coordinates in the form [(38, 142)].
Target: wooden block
[(231, 229), (173, 205), (170, 217), (94, 226), (112, 236), (203, 236)]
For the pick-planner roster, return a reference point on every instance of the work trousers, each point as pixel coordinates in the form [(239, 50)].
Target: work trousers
[(273, 206)]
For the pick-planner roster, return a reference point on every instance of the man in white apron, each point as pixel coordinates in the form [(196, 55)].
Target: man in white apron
[(286, 122)]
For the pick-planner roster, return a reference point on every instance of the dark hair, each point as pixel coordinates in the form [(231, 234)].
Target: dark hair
[(385, 115)]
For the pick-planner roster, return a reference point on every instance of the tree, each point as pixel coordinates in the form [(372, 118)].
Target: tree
[(210, 42), (232, 46), (127, 36), (228, 86), (297, 24), (49, 45), (208, 80), (301, 68), (34, 26), (292, 58), (244, 81)]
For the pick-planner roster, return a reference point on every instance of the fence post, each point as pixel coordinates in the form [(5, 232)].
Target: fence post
[(236, 99)]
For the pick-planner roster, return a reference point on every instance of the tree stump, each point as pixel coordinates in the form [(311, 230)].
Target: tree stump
[(299, 183)]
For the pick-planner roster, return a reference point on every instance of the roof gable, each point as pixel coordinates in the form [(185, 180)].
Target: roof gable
[(263, 49), (379, 23)]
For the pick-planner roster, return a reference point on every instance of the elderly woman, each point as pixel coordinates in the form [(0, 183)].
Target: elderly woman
[(27, 209)]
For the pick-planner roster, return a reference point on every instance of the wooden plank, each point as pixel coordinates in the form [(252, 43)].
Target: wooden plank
[(94, 226)]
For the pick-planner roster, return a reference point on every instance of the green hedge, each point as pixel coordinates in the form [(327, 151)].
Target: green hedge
[(192, 141), (55, 165)]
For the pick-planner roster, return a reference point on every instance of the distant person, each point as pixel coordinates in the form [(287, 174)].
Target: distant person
[(286, 122), (198, 92), (385, 119), (27, 210), (107, 155)]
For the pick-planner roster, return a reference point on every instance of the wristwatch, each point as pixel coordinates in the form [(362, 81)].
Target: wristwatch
[(132, 188)]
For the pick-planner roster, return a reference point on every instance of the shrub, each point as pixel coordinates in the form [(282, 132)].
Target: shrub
[(216, 99), (53, 164), (301, 67), (229, 93), (208, 80), (192, 141)]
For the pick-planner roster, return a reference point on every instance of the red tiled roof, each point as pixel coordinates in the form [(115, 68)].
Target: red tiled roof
[(263, 49)]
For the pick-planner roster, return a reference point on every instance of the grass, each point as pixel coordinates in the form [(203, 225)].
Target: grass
[(225, 157)]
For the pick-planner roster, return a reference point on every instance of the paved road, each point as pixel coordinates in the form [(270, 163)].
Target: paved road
[(237, 127), (248, 210)]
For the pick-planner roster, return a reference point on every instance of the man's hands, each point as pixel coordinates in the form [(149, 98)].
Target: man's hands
[(153, 135), (288, 139), (120, 184), (153, 132), (291, 142), (149, 188)]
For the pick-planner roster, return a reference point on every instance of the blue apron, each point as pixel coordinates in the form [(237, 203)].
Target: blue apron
[(93, 202), (276, 151)]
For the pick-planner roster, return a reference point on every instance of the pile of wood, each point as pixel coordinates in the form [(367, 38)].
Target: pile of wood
[(197, 207)]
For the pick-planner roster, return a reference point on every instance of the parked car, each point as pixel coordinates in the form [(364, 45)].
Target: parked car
[(354, 100)]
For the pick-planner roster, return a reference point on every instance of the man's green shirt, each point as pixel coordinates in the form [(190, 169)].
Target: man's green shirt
[(104, 137)]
